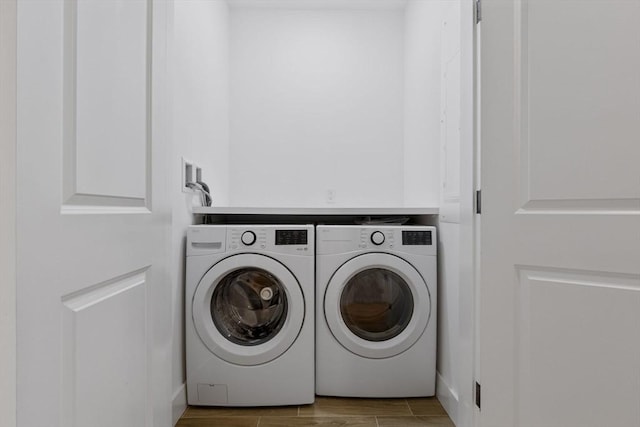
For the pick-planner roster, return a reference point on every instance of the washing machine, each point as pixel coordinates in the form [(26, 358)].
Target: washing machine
[(250, 315), (376, 310)]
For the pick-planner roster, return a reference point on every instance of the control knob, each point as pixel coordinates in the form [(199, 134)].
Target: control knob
[(248, 238), (377, 238)]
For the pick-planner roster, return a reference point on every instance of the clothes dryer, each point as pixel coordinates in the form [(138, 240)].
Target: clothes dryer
[(249, 315), (376, 311)]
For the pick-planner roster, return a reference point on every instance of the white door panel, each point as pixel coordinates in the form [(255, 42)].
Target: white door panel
[(565, 345), (106, 50), (578, 83), (106, 114), (560, 224), (104, 353), (93, 217)]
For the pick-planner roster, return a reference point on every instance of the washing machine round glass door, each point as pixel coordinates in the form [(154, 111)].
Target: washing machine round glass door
[(377, 305), (248, 309)]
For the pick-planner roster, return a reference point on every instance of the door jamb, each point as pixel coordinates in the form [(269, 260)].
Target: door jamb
[(8, 208), (477, 183)]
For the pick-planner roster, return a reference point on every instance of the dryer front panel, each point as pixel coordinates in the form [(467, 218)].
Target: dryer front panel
[(377, 305), (248, 309)]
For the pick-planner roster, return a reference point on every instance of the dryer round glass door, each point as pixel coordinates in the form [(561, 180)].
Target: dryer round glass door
[(248, 309), (377, 305)]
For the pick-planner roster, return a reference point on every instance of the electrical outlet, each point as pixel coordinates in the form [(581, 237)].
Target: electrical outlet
[(188, 175), (331, 196)]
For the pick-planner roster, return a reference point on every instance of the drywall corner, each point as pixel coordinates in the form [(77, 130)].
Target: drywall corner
[(200, 77)]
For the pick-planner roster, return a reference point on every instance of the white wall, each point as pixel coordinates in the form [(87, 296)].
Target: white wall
[(450, 111), (449, 357), (200, 134), (422, 102), (317, 105), (439, 149), (448, 376), (8, 213)]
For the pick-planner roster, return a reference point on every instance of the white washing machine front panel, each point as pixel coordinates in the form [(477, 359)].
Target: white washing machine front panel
[(249, 317)]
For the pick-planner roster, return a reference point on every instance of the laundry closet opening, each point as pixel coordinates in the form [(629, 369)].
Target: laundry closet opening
[(337, 105)]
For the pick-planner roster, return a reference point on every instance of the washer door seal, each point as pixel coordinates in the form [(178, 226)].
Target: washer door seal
[(248, 352), (408, 321)]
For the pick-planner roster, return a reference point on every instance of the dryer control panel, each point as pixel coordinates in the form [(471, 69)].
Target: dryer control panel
[(415, 239), (381, 238)]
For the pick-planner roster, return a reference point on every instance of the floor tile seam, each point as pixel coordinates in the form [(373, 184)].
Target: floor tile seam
[(443, 414), (409, 406), (329, 416), (320, 415), (213, 417), (299, 416), (433, 415), (412, 416), (235, 416)]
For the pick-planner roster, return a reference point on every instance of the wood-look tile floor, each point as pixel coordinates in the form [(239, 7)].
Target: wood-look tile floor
[(325, 412)]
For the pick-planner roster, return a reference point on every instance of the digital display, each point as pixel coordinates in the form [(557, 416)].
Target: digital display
[(291, 237), (416, 238)]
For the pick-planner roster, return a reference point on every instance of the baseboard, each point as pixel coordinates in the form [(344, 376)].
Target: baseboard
[(447, 397), (179, 403)]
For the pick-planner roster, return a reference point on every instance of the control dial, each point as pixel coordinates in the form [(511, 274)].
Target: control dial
[(248, 238), (377, 238)]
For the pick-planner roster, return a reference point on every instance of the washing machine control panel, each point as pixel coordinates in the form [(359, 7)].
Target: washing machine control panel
[(417, 237), (292, 237), (242, 238), (285, 239), (377, 238), (248, 238), (411, 239)]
